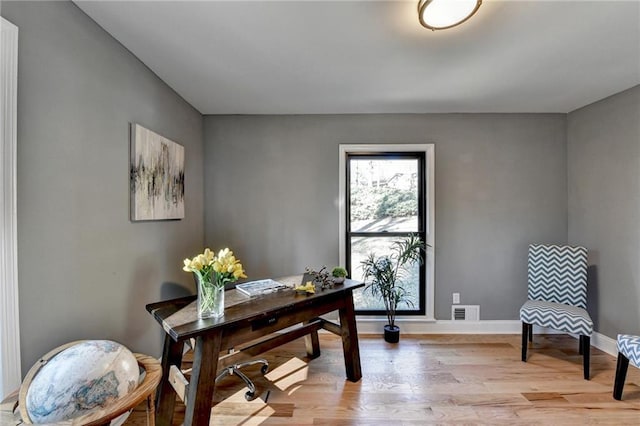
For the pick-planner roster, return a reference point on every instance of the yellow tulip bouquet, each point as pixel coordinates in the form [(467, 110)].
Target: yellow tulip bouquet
[(212, 273)]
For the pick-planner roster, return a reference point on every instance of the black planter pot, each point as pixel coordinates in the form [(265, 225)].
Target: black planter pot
[(391, 333)]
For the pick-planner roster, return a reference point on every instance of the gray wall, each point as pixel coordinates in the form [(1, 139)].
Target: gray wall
[(604, 206), (85, 270), (271, 193)]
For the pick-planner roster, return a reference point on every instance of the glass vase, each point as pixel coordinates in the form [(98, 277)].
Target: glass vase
[(210, 299)]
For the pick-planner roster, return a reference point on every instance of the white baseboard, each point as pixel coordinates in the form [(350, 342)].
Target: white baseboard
[(425, 326), (605, 343)]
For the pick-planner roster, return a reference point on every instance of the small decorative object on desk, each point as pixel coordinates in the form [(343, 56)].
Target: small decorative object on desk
[(307, 288), (212, 273), (322, 277), (339, 274)]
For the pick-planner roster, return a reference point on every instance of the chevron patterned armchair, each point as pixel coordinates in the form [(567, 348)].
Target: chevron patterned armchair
[(557, 292), (628, 351)]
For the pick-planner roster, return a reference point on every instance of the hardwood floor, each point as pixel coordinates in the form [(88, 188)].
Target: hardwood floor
[(429, 379)]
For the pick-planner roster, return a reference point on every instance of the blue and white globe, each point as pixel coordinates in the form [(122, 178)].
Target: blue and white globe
[(87, 376)]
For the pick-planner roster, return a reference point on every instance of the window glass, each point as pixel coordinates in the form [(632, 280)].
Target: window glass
[(383, 205), (383, 195), (410, 281)]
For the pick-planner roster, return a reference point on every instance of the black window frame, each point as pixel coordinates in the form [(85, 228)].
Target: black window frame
[(422, 221)]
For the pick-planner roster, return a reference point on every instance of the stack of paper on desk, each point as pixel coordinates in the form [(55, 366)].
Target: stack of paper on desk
[(256, 288)]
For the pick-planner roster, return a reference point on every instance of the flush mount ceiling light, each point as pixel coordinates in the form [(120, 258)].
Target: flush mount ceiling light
[(443, 14)]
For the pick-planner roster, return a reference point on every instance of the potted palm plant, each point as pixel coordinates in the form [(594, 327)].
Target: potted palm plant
[(384, 277)]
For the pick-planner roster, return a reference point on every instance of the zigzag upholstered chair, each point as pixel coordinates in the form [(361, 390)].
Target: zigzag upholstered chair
[(557, 292), (628, 351)]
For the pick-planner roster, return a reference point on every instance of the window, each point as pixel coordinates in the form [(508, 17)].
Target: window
[(386, 192)]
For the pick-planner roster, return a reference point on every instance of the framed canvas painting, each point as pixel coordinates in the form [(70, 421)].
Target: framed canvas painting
[(156, 176)]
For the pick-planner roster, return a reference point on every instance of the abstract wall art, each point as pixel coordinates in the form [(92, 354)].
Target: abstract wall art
[(156, 176)]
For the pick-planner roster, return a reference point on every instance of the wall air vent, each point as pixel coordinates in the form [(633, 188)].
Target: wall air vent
[(465, 312)]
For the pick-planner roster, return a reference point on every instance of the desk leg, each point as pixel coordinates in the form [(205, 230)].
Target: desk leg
[(203, 380), (166, 396), (350, 346), (312, 343)]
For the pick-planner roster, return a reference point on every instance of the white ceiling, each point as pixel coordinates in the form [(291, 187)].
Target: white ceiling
[(308, 57)]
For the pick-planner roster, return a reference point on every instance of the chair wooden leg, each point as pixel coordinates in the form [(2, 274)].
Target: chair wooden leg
[(621, 375), (580, 345), (586, 352), (525, 334), (531, 332)]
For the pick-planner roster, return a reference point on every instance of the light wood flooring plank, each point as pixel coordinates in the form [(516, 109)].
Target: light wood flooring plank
[(429, 380)]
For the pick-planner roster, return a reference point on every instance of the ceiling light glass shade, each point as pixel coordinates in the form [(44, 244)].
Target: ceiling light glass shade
[(443, 14)]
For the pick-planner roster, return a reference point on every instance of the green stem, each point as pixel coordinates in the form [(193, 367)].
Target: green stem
[(208, 293)]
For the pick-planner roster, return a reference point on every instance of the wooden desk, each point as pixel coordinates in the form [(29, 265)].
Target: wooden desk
[(249, 328)]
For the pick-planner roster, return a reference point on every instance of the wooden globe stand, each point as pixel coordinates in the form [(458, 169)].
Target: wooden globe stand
[(101, 416)]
